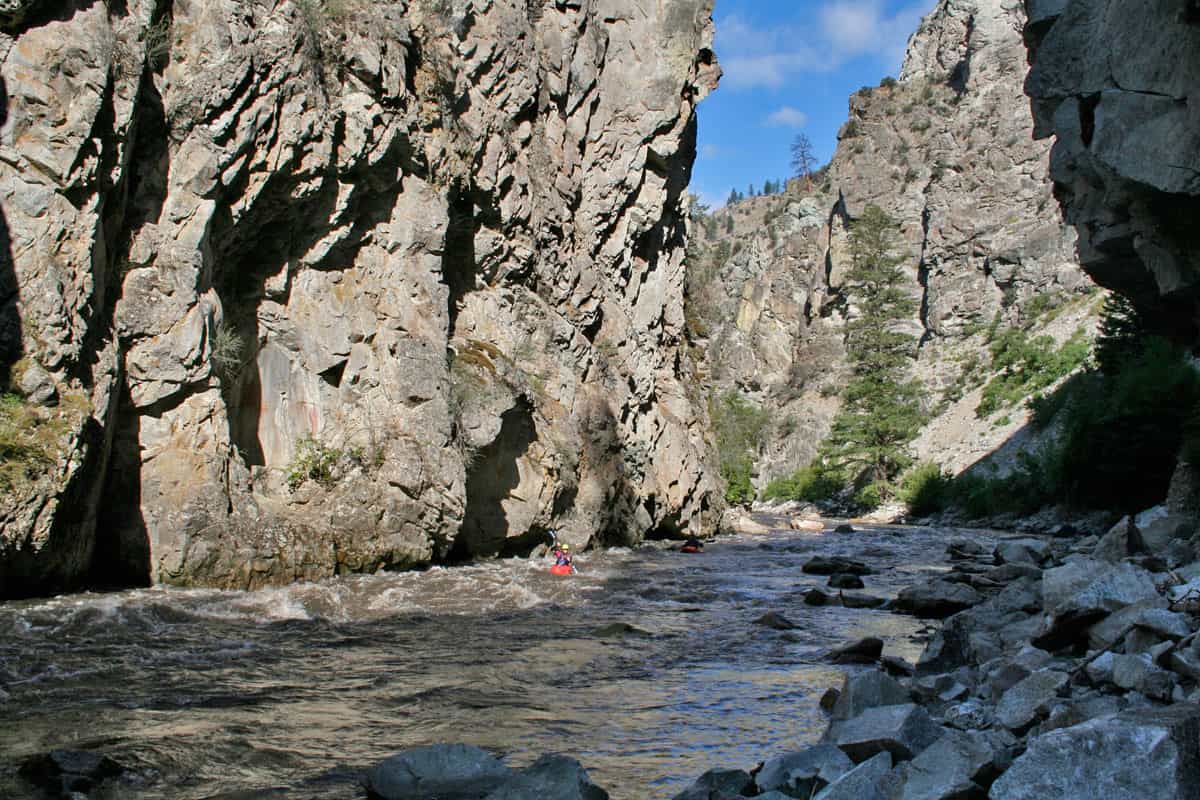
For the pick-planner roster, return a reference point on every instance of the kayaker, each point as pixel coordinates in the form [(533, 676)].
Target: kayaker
[(562, 556), (692, 545)]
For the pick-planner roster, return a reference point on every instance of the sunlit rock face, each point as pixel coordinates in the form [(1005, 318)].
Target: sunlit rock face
[(1115, 84), (947, 150), (348, 286)]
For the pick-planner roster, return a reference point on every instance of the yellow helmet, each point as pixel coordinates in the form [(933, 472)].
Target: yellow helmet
[(566, 547)]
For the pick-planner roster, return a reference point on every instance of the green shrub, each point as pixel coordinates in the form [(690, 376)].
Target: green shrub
[(313, 461), (227, 348), (888, 82), (1028, 365), (925, 489), (811, 484)]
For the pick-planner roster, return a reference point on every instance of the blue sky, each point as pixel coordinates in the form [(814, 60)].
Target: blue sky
[(790, 66)]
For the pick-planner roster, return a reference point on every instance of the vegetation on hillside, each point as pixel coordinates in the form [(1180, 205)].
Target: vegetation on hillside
[(739, 426), (1118, 429)]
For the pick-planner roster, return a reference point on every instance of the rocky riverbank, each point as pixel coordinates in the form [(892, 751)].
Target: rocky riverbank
[(1067, 666)]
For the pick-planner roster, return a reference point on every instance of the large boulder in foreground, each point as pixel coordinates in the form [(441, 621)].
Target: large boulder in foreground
[(448, 771), (802, 773), (902, 730), (1146, 753)]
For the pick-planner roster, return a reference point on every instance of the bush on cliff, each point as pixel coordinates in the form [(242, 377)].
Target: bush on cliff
[(925, 489)]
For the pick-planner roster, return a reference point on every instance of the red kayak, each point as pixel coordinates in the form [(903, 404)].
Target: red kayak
[(560, 569), (687, 548)]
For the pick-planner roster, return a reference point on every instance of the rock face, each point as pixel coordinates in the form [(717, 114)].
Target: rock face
[(1115, 84), (341, 287), (947, 151)]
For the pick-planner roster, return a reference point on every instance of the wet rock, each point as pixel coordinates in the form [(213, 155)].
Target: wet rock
[(897, 667), (718, 784), (1021, 705), (844, 581), (438, 770), (1137, 754), (614, 629), (902, 730), (815, 597), (832, 565), (844, 528), (864, 782), (64, 772), (966, 549), (865, 690), (774, 620), (829, 699), (861, 600), (551, 777), (936, 599), (864, 651), (803, 773)]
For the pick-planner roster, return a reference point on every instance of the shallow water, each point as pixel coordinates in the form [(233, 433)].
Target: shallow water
[(300, 688)]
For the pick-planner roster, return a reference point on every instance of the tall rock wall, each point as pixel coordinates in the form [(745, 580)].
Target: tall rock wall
[(1116, 84), (335, 285), (947, 150)]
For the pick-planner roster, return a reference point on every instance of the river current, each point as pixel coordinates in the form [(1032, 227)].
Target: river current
[(292, 692)]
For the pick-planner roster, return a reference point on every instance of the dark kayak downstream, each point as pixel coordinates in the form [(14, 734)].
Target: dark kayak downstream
[(646, 666)]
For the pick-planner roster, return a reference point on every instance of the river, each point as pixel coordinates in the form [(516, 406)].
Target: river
[(298, 689)]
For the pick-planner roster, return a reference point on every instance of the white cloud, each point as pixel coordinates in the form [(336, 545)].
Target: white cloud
[(787, 117), (709, 151), (841, 30)]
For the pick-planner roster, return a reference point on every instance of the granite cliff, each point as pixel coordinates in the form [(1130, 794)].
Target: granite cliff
[(297, 288), (1115, 85), (947, 151)]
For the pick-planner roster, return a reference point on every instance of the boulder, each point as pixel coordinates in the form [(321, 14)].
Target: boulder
[(803, 773), (1007, 573), (718, 784), (897, 667), (438, 770), (969, 715), (845, 581), (815, 597), (1084, 591), (860, 600), (1138, 754), (1138, 673), (806, 524), (1021, 705), (63, 773), (864, 782), (1021, 551), (936, 599), (844, 528), (1108, 630), (1122, 540), (870, 689), (902, 730), (737, 521), (966, 549), (833, 565), (864, 651), (777, 621), (1161, 531), (958, 765), (37, 386), (551, 777)]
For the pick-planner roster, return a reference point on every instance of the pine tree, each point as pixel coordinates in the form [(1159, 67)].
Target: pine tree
[(881, 410), (803, 160), (1122, 334)]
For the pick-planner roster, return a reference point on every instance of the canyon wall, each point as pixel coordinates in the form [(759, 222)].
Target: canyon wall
[(947, 151), (291, 289), (1115, 84)]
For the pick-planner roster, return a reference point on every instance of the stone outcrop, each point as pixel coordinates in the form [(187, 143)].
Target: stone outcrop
[(947, 150), (342, 286), (1115, 85)]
